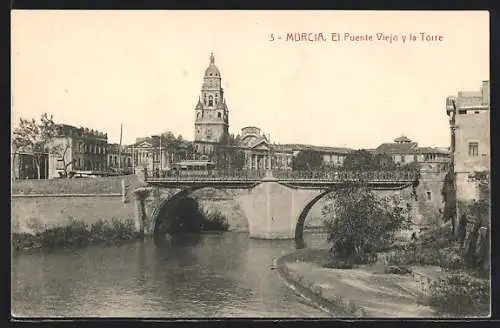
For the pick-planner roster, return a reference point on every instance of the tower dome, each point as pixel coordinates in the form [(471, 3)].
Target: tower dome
[(212, 70)]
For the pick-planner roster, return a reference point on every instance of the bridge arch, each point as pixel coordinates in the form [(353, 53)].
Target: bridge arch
[(168, 204), (299, 226)]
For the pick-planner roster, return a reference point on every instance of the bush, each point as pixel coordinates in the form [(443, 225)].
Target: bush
[(358, 222), (76, 233), (409, 256), (339, 264), (460, 294), (215, 221)]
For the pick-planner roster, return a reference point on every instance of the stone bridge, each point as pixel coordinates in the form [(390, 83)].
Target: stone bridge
[(274, 203)]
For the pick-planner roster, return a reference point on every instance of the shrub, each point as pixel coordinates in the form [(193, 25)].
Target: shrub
[(339, 264), (76, 233), (215, 221), (460, 294), (359, 222)]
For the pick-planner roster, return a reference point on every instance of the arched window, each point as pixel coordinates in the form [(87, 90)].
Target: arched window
[(210, 100), (216, 99), (198, 115), (204, 98), (219, 115)]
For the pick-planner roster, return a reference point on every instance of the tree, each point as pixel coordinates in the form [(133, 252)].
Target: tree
[(234, 141), (35, 137), (62, 150), (448, 193), (359, 222), (363, 160), (307, 159), (229, 157)]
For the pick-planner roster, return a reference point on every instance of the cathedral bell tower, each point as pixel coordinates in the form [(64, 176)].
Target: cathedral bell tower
[(211, 125)]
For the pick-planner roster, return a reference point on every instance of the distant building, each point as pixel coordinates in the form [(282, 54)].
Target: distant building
[(405, 151), (152, 154), (24, 167), (211, 123), (260, 154), (332, 156), (79, 149), (470, 137), (119, 159)]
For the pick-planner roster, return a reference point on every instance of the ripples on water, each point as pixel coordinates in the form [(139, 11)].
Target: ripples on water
[(213, 275)]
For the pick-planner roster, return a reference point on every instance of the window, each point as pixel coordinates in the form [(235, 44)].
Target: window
[(429, 195), (402, 158), (204, 98), (415, 158), (198, 115), (210, 100), (218, 114), (476, 112), (60, 164), (473, 149), (462, 111), (216, 99)]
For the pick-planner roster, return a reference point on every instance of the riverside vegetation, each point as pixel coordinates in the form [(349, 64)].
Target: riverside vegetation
[(362, 227), (79, 234)]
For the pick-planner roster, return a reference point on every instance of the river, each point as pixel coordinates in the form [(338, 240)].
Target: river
[(210, 275)]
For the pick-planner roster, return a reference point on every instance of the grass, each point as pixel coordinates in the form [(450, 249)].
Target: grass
[(77, 234)]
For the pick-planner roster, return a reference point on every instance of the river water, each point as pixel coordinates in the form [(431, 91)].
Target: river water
[(211, 275)]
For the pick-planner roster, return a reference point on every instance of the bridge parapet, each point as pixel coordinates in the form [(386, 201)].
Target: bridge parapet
[(287, 176)]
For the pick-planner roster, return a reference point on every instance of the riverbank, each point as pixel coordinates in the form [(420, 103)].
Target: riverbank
[(76, 234), (361, 292)]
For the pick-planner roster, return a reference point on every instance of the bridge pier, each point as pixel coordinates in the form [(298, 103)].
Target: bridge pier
[(273, 209)]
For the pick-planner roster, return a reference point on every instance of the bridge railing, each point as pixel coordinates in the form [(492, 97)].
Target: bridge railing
[(209, 175), (282, 175), (346, 175)]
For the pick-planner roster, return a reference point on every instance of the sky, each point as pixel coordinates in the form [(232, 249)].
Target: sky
[(144, 69)]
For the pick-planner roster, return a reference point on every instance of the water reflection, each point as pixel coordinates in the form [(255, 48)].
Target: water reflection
[(214, 275)]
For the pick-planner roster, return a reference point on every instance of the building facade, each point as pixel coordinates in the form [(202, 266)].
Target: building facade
[(155, 153), (260, 154), (24, 166), (469, 114), (119, 158), (77, 149), (404, 151), (211, 123)]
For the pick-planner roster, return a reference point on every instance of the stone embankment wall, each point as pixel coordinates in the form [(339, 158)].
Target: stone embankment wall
[(42, 204)]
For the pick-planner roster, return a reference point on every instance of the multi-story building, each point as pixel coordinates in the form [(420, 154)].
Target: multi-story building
[(77, 149), (24, 165), (331, 156), (405, 151), (119, 158), (155, 153), (469, 113)]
